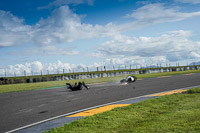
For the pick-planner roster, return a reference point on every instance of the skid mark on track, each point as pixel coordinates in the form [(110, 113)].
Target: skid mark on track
[(97, 110), (97, 83), (55, 101), (41, 105), (164, 77), (189, 74), (24, 111)]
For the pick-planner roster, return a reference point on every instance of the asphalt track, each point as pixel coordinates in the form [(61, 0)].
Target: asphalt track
[(23, 108)]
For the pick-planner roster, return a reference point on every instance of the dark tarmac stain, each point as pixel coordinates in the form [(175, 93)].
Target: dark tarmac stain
[(43, 112)]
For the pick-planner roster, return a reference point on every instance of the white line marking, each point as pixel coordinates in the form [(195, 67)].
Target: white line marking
[(17, 129)]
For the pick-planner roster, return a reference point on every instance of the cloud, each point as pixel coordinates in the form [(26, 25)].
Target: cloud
[(64, 26), (13, 31), (154, 14), (46, 51), (173, 46), (143, 2), (19, 69), (36, 67), (52, 50), (169, 47), (134, 61), (157, 13), (188, 1), (58, 3)]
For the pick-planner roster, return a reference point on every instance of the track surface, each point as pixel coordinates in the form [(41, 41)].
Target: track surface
[(22, 108)]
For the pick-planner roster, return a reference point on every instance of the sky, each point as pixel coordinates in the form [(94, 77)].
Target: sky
[(80, 35)]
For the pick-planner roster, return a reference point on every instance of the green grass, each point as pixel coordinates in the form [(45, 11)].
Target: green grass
[(40, 85), (177, 113)]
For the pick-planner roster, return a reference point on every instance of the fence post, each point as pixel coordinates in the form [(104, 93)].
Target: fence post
[(24, 73)]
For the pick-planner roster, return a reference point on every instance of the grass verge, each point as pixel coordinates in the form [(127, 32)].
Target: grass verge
[(40, 85), (177, 113)]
